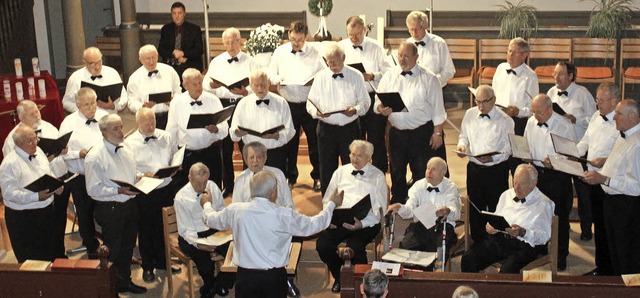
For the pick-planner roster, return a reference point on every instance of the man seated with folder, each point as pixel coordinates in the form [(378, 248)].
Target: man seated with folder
[(264, 117), (432, 201), (28, 213), (153, 149), (527, 212), (191, 227), (359, 181)]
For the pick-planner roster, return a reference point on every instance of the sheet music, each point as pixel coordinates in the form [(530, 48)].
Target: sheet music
[(413, 257), (564, 146), (217, 239), (426, 214), (148, 184), (567, 166), (519, 147), (178, 157)]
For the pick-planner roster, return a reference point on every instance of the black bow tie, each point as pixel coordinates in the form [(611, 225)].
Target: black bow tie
[(356, 172), (37, 131), (195, 102), (146, 139), (543, 124), (88, 122), (358, 47), (429, 189), (117, 148), (511, 71), (604, 117), (622, 135), (519, 200), (32, 156), (335, 75), (233, 59), (419, 43), (294, 51), (93, 78), (485, 115), (404, 73), (153, 72), (265, 101), (561, 93)]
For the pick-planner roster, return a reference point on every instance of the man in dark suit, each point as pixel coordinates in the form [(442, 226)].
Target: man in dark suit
[(180, 42)]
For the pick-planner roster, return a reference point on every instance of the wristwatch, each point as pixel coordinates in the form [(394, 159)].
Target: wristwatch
[(524, 232), (438, 133), (607, 181)]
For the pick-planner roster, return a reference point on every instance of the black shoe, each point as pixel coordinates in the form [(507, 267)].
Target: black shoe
[(316, 185), (92, 255), (148, 275), (227, 192), (221, 291), (594, 272), (336, 287), (133, 288), (292, 290), (586, 237)]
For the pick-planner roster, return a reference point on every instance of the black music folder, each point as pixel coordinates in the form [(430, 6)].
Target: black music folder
[(104, 92), (166, 171), (262, 133), (346, 215), (326, 114), (161, 97), (204, 120), (392, 100), (358, 66), (45, 182), (232, 85), (558, 109), (496, 221), (54, 146)]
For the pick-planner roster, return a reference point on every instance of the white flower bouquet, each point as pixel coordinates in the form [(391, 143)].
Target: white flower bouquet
[(265, 38)]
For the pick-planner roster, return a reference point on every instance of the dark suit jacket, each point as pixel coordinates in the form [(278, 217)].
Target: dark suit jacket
[(191, 43)]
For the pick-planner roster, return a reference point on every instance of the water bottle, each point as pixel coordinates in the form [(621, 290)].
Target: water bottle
[(437, 266)]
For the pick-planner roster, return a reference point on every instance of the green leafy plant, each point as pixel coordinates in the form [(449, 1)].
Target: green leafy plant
[(517, 20), (265, 38), (609, 18)]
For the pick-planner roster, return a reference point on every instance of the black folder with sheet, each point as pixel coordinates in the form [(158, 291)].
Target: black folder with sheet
[(358, 66), (166, 171), (54, 146), (235, 85), (558, 109), (161, 97), (359, 211), (204, 120), (392, 100), (496, 221), (104, 92), (262, 133), (45, 182)]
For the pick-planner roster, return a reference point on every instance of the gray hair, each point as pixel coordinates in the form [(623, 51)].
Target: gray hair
[(521, 43), (631, 106), (24, 106), (85, 93), (191, 73), (199, 169), (486, 88), (147, 49), (614, 90), (262, 184), (531, 172), (91, 50), (231, 31), (368, 147), (334, 51), (105, 122), (419, 16), (256, 146), (375, 283), (543, 97), (20, 135), (465, 292), (258, 73)]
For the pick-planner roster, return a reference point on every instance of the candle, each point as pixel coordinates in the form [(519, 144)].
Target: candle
[(43, 88), (7, 90), (32, 87), (19, 93), (36, 66), (18, 65), (380, 26)]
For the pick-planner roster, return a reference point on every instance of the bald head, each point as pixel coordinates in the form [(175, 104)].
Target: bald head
[(542, 107), (485, 98), (146, 120), (25, 138), (436, 170)]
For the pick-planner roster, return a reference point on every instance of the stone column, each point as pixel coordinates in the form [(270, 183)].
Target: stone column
[(129, 38), (73, 34)]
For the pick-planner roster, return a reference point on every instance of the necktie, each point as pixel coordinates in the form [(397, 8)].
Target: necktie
[(561, 93), (519, 200), (265, 101), (429, 189), (336, 75), (404, 73), (511, 71), (93, 78), (419, 43), (88, 122), (195, 102), (233, 59), (542, 124), (622, 135), (294, 51), (356, 172), (604, 117), (178, 42), (117, 148), (32, 156), (358, 47), (37, 131), (485, 115), (153, 72), (150, 138)]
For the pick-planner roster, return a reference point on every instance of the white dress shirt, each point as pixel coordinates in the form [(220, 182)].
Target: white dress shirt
[(260, 117), (44, 130), (534, 215), (599, 138), (333, 94), (84, 136), (539, 137), (434, 56), (189, 212), (141, 85), (242, 193), (285, 65), (109, 75), (220, 67), (446, 196), (152, 154), (579, 103), (195, 138), (372, 56), (515, 89), (16, 172), (421, 94), (262, 230), (483, 135), (103, 163), (355, 187), (623, 165)]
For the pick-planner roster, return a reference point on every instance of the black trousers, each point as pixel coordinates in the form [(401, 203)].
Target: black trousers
[(408, 147), (60, 204), (512, 254), (373, 128), (622, 221), (161, 120), (277, 158), (150, 232), (333, 142), (302, 120), (484, 186), (583, 191), (210, 156), (30, 233), (119, 222), (206, 267), (418, 237), (270, 283), (228, 175), (557, 186), (84, 210), (328, 242), (602, 257)]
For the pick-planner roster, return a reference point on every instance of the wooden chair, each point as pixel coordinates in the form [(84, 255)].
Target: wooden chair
[(216, 47), (462, 232), (595, 59), (172, 249), (491, 53), (544, 53), (463, 50), (629, 72)]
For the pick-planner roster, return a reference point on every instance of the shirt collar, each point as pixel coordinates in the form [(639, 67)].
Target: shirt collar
[(610, 116), (24, 155), (632, 130), (570, 89), (110, 147), (530, 198)]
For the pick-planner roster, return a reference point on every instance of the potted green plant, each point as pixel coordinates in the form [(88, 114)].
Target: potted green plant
[(609, 18), (517, 20)]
